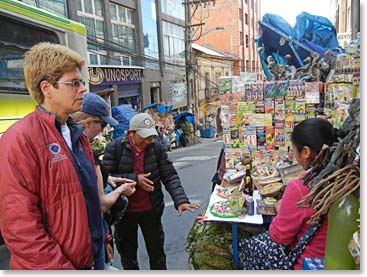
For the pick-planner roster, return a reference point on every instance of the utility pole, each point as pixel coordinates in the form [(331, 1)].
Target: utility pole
[(188, 50)]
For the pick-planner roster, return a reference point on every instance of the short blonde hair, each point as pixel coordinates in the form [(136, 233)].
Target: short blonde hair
[(47, 61)]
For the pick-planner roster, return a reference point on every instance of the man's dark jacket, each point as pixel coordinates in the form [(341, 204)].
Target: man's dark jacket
[(119, 160)]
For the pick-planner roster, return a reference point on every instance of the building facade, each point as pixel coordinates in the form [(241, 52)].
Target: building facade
[(346, 14), (135, 47), (210, 64), (237, 20)]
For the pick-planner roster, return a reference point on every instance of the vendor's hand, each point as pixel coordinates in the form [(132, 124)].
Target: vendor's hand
[(145, 183), (109, 252), (277, 206), (116, 181), (127, 189), (187, 206)]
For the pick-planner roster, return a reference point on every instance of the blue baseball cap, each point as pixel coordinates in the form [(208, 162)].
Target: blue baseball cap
[(96, 105)]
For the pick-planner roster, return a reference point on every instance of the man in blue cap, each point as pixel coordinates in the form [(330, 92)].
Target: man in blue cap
[(94, 116), (97, 106)]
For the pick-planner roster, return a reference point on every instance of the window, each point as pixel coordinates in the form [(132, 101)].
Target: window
[(149, 29), (217, 75), (119, 59), (16, 38), (123, 28), (90, 14), (57, 7), (247, 45), (174, 44), (98, 58), (173, 8), (246, 18)]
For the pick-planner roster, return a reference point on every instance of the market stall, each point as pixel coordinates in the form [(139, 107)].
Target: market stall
[(258, 119)]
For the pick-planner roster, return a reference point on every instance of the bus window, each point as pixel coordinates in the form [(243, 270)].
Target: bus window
[(15, 39)]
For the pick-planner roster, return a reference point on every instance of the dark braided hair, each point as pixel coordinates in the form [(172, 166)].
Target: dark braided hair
[(314, 133)]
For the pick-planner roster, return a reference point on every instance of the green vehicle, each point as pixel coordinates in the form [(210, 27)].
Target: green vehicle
[(22, 26)]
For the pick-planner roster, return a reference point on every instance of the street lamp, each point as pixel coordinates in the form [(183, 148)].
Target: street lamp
[(203, 33)]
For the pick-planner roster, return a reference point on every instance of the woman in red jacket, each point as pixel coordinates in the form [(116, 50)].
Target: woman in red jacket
[(289, 225)]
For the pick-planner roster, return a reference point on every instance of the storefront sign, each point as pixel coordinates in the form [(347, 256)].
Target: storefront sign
[(113, 75), (344, 38), (179, 94)]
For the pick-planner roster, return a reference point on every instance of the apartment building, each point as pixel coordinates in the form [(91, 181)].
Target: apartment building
[(346, 14), (230, 26)]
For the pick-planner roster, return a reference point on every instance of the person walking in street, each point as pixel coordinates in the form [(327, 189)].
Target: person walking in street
[(140, 158), (94, 117), (50, 214)]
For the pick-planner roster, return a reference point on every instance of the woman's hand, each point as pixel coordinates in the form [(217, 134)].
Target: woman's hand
[(116, 181), (127, 189), (109, 252), (277, 205)]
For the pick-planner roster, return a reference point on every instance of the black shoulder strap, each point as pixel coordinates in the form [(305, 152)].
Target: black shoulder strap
[(118, 150), (156, 150)]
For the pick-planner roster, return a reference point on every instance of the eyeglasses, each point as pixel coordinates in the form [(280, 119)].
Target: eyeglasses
[(75, 83), (103, 123)]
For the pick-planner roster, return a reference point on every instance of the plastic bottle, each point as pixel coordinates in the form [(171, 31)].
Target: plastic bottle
[(250, 206), (342, 223)]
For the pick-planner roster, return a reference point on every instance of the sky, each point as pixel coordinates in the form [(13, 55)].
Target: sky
[(289, 9)]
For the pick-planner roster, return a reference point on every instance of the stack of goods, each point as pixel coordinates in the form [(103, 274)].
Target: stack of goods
[(258, 118), (344, 86)]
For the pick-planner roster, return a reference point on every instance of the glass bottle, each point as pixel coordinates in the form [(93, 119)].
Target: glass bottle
[(342, 223), (249, 189)]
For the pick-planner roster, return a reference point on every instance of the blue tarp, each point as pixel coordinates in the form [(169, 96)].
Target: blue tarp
[(149, 106), (160, 108), (189, 117), (310, 33), (122, 113), (164, 108)]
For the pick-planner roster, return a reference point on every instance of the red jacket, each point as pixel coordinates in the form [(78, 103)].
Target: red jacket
[(290, 223), (43, 216)]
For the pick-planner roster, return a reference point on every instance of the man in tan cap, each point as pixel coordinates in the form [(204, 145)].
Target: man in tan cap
[(140, 158)]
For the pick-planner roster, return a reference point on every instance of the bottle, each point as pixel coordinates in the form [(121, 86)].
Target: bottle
[(342, 223), (249, 189), (250, 206), (248, 186)]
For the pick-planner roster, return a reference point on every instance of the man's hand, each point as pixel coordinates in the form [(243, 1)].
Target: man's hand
[(145, 183), (187, 206), (116, 181)]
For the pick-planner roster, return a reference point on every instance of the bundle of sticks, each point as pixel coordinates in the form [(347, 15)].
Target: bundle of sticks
[(335, 172)]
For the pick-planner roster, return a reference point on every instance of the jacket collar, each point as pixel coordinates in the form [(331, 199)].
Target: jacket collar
[(76, 130)]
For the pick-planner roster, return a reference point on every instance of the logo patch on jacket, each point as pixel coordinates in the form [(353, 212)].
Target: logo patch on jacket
[(55, 149)]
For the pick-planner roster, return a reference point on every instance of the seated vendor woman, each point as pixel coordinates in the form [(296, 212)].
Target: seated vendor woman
[(288, 226)]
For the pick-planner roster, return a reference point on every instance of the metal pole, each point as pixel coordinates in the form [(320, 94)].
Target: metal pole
[(188, 49)]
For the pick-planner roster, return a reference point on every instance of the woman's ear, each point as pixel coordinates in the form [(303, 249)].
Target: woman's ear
[(306, 152), (46, 88)]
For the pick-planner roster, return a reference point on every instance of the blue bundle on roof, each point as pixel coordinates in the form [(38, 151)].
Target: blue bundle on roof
[(122, 113)]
